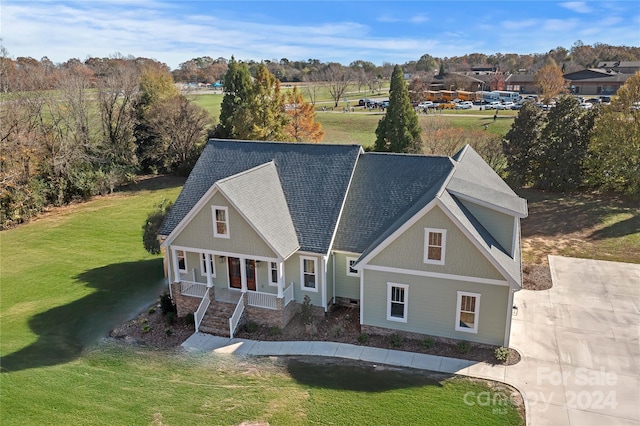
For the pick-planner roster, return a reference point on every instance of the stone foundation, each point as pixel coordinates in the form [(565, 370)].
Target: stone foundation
[(184, 304), (272, 318)]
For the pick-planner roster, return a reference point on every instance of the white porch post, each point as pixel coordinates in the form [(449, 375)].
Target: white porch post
[(323, 273), (176, 271), (280, 266), (243, 274), (207, 259)]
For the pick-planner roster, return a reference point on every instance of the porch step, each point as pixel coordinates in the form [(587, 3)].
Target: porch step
[(216, 319)]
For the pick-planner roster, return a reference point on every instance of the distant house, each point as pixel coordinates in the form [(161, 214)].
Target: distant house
[(424, 245)]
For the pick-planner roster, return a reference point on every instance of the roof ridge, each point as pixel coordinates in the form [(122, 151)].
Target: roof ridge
[(235, 176)]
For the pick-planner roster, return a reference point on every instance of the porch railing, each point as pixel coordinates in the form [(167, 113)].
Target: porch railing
[(288, 294), (235, 318), (190, 288), (262, 300), (202, 309)]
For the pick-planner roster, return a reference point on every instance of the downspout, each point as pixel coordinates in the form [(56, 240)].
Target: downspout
[(333, 262), (323, 268)]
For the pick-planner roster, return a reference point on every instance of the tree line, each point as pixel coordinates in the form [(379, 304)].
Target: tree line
[(77, 129)]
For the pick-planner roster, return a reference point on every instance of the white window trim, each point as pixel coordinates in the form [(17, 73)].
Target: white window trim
[(215, 222), (349, 273), (184, 256), (426, 246), (405, 288), (476, 313), (315, 269), (271, 282), (203, 269)]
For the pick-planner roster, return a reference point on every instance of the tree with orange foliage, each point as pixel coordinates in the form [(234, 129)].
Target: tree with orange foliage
[(550, 81), (301, 126)]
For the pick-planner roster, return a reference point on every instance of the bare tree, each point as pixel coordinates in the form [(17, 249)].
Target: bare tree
[(312, 89), (338, 79)]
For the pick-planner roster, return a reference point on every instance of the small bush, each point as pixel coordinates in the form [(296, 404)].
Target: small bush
[(428, 343), (166, 304), (274, 331), (396, 340), (189, 319), (337, 331), (146, 328), (363, 338), (145, 320), (152, 310), (251, 327), (463, 347), (306, 312), (168, 331), (502, 354), (170, 317)]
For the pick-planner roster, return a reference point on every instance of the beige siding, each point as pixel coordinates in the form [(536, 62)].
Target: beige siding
[(244, 240), (262, 277), (292, 275), (346, 286), (461, 256), (432, 306), (498, 224)]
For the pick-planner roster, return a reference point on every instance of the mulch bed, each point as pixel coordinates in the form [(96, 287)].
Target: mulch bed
[(536, 277)]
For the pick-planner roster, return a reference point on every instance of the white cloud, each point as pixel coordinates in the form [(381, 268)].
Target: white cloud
[(577, 6)]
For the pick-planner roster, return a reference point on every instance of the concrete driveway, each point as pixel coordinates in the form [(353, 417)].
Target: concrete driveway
[(579, 344)]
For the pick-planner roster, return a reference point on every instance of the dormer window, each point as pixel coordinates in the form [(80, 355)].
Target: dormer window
[(434, 245), (220, 221)]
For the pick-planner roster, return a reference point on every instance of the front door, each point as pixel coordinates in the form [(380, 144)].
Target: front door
[(235, 277)]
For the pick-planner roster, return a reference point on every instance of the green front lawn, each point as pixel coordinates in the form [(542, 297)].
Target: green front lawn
[(75, 273)]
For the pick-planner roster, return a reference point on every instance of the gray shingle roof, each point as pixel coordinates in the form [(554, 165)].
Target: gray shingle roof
[(314, 179), (387, 189), (258, 195)]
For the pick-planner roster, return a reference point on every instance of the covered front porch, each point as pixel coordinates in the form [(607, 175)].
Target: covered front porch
[(202, 279)]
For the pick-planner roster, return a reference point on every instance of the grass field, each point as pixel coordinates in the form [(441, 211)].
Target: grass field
[(75, 273)]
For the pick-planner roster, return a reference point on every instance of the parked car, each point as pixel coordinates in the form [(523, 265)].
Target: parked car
[(594, 101), (505, 105), (464, 105), (492, 105), (426, 104), (516, 106), (586, 105), (605, 99)]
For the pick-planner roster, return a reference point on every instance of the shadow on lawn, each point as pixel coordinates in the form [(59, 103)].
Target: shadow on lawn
[(358, 376), (122, 291)]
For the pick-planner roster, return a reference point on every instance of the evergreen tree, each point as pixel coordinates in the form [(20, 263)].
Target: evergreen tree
[(265, 118), (563, 146), (301, 125), (237, 88), (520, 143), (399, 130)]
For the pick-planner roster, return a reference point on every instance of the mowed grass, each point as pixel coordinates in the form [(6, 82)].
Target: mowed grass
[(75, 273)]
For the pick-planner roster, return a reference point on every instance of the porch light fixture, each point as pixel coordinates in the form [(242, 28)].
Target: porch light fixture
[(222, 259)]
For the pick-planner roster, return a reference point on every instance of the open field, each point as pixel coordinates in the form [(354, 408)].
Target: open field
[(78, 271)]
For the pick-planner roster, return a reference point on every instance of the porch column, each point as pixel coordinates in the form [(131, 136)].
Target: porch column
[(280, 266), (174, 259), (243, 274), (207, 265)]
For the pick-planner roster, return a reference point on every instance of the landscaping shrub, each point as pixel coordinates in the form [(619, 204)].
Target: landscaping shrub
[(363, 338), (146, 328), (306, 312), (168, 331), (463, 347), (274, 331), (166, 304), (152, 310), (502, 354), (251, 327), (170, 317), (396, 340), (428, 343), (189, 319), (337, 331)]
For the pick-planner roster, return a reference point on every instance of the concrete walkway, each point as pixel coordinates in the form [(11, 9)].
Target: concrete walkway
[(579, 345)]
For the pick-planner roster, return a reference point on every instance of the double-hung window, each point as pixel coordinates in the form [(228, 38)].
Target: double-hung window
[(467, 312), (203, 265), (397, 302), (273, 273), (220, 221), (308, 273), (434, 245), (350, 271), (182, 261)]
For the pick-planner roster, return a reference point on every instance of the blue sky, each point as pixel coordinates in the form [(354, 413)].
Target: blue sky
[(341, 31)]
